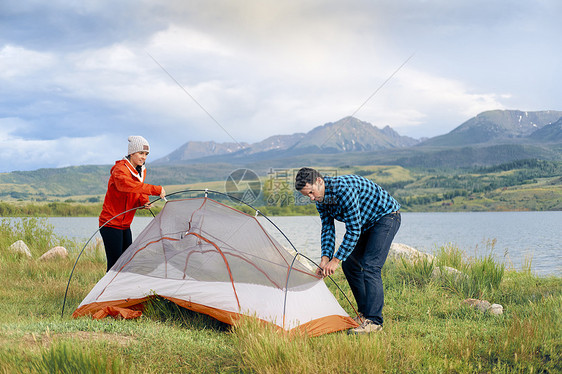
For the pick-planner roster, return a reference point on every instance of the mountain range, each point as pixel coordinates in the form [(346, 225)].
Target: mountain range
[(491, 138), (346, 135), (351, 135), (503, 126)]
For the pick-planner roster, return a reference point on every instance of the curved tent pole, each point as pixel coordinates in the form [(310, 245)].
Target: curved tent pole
[(329, 276), (84, 247), (112, 218), (207, 191)]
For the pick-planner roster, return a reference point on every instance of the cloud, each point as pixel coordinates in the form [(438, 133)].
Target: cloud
[(418, 93), (24, 154), (17, 62), (249, 70)]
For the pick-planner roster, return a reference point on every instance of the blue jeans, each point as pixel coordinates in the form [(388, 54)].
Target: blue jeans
[(363, 267)]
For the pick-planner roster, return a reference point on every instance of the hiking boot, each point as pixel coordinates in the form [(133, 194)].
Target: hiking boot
[(366, 327)]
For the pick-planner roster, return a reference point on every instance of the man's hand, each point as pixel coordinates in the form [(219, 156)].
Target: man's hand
[(331, 267), (323, 262), (327, 267)]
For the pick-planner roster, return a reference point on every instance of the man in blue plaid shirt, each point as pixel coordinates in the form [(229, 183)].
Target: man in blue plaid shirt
[(371, 218)]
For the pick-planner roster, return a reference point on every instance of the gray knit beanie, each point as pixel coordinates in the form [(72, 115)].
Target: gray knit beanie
[(137, 144)]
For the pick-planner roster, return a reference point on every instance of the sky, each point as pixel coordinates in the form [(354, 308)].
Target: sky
[(78, 77)]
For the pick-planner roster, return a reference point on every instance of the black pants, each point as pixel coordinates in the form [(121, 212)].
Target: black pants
[(115, 241)]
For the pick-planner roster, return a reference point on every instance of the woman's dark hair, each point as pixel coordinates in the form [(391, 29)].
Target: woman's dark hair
[(138, 167), (306, 175)]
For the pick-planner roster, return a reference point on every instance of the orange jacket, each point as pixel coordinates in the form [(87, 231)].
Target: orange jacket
[(125, 190)]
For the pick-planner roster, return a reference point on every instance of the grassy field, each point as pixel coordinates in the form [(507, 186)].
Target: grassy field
[(427, 326)]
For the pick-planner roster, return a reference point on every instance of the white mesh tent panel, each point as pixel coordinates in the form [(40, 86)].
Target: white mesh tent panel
[(203, 252)]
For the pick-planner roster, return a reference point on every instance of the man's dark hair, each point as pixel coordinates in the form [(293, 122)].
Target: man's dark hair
[(306, 175)]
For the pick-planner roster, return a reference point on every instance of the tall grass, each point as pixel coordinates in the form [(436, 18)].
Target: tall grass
[(451, 269), (63, 357), (477, 277), (36, 233), (450, 255), (418, 271)]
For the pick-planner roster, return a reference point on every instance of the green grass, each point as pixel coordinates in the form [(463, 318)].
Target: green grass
[(63, 357), (427, 327)]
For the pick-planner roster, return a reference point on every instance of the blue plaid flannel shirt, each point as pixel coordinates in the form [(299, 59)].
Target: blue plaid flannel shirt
[(356, 201)]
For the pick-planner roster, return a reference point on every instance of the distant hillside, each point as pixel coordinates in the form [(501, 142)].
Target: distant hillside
[(346, 135), (497, 126), (59, 182), (193, 150), (549, 134)]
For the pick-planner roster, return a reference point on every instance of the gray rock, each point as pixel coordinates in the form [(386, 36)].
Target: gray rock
[(55, 252), (398, 250), (21, 247), (485, 306), (496, 309), (439, 271)]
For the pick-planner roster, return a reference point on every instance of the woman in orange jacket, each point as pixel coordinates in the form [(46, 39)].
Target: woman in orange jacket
[(125, 190)]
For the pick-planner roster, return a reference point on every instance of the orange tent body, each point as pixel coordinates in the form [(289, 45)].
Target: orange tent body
[(210, 258)]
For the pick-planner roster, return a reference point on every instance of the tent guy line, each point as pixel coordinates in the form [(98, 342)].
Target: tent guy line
[(240, 144), (194, 100), (82, 251), (369, 98), (361, 106)]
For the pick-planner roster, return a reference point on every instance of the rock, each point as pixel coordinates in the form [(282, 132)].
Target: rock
[(403, 251), (406, 252), (54, 252), (485, 306), (21, 247), (481, 305), (438, 271), (496, 309)]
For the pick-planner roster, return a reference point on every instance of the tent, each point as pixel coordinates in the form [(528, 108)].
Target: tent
[(210, 258)]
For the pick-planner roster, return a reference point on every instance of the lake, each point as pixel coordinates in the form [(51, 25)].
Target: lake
[(513, 237)]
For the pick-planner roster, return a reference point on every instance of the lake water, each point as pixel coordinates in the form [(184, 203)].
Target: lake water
[(516, 236)]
